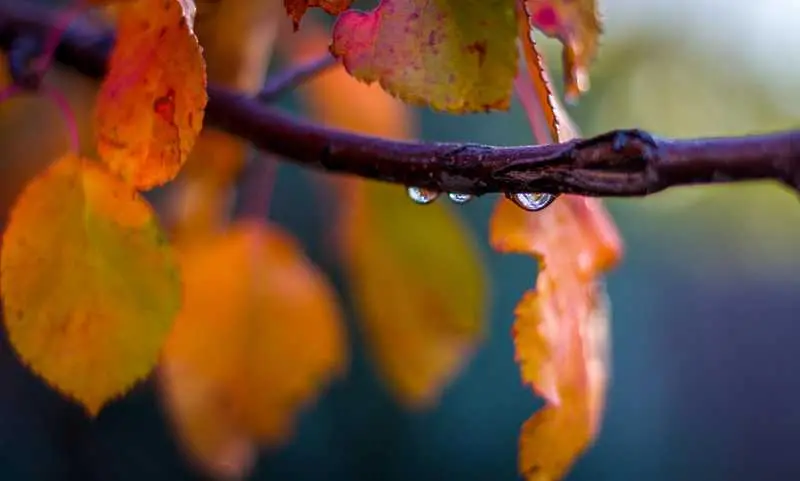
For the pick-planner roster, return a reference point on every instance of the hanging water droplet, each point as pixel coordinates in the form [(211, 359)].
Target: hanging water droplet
[(532, 201), (421, 195), (460, 198)]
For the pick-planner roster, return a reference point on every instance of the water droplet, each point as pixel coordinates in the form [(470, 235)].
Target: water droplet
[(460, 198), (532, 201), (421, 195)]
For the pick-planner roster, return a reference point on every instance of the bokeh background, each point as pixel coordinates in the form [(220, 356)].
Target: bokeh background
[(705, 304)]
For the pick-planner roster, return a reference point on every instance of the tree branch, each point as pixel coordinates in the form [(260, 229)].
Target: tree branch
[(619, 163)]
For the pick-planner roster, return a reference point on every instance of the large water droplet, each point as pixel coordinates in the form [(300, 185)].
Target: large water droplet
[(421, 195), (460, 198), (532, 201)]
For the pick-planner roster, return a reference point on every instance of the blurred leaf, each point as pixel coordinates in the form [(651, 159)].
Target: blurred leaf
[(413, 271), (455, 56), (419, 288), (151, 104), (90, 287), (260, 333), (576, 24), (297, 8), (237, 37)]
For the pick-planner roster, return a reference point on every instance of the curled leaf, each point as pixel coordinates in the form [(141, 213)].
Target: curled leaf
[(297, 8), (260, 333), (452, 55), (576, 25), (90, 287), (151, 104), (561, 328)]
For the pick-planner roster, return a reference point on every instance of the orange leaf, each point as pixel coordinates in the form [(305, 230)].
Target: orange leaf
[(151, 104), (90, 286), (561, 328), (297, 8), (575, 23), (259, 334), (413, 271)]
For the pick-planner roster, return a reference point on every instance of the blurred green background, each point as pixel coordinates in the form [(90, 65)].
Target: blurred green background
[(705, 304)]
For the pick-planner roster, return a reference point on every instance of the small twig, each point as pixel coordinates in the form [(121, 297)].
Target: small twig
[(294, 77), (620, 163), (256, 186)]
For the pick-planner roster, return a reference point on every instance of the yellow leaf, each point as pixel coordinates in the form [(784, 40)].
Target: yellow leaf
[(151, 104), (90, 287), (413, 271), (259, 335)]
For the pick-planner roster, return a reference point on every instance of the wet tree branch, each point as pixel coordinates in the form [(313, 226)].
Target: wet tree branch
[(619, 163)]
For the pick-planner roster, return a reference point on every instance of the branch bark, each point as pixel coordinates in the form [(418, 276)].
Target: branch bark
[(619, 163)]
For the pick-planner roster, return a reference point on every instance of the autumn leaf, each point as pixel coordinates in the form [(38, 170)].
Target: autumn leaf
[(259, 335), (413, 272), (151, 104), (576, 24), (418, 285), (452, 55), (297, 8), (561, 327), (90, 287)]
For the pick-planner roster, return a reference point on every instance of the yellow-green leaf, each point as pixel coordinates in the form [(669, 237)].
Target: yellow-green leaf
[(90, 286), (418, 285), (452, 55)]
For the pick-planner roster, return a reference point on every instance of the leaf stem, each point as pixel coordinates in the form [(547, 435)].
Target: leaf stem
[(294, 77)]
